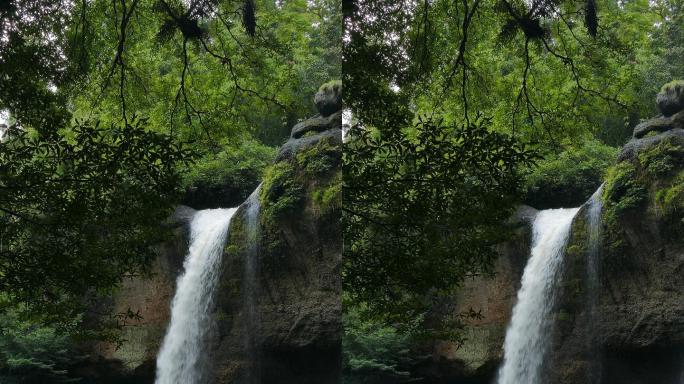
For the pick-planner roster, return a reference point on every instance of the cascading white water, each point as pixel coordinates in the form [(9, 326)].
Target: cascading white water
[(180, 358), (525, 343), (594, 208), (251, 286)]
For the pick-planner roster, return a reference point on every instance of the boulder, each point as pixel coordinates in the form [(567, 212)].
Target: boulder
[(670, 99), (316, 125), (631, 150), (328, 99)]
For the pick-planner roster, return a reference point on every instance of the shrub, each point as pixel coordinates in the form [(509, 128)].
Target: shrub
[(569, 179), (227, 177), (373, 353), (31, 353)]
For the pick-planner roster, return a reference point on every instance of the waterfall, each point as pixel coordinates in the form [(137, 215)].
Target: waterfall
[(594, 208), (526, 341), (251, 286), (181, 358)]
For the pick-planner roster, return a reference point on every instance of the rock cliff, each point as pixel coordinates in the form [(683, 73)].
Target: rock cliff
[(285, 326), (638, 326), (476, 360)]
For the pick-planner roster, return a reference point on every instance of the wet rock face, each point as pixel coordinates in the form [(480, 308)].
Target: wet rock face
[(284, 323), (150, 297), (638, 326)]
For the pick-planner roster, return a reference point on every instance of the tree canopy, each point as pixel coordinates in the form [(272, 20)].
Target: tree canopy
[(546, 76), (110, 103)]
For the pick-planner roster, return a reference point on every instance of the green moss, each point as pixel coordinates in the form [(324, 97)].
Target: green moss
[(670, 198), (312, 174), (320, 159), (624, 190), (669, 203), (282, 192), (653, 183), (328, 198), (236, 237), (672, 85), (662, 159), (332, 86)]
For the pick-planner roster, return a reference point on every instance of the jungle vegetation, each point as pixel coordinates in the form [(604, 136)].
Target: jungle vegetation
[(457, 112), (111, 111)]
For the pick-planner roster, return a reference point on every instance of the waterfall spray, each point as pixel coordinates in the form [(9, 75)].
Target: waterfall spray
[(251, 286), (595, 206), (526, 338), (182, 357)]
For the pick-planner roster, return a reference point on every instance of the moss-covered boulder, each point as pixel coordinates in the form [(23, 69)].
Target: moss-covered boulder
[(328, 99), (670, 99)]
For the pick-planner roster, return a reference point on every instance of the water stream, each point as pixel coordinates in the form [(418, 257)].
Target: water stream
[(251, 286), (594, 209), (181, 358), (526, 338)]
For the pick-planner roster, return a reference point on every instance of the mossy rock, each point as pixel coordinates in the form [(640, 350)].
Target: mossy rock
[(670, 99), (652, 183), (328, 99), (328, 197), (282, 192)]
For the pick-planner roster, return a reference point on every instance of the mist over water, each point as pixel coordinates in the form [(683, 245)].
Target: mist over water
[(594, 210)]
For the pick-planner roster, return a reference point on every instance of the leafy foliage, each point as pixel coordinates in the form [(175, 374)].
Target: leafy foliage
[(80, 209), (423, 210), (227, 177), (373, 352), (30, 353), (569, 178), (82, 203), (544, 81)]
